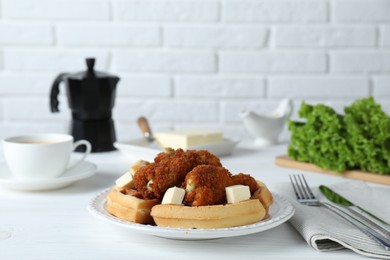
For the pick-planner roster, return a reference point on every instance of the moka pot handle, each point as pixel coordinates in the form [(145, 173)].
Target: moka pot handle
[(55, 90)]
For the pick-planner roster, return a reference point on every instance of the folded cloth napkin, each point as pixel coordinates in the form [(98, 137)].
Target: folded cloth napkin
[(326, 231)]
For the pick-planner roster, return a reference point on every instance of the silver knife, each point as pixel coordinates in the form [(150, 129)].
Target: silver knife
[(367, 217), (343, 213)]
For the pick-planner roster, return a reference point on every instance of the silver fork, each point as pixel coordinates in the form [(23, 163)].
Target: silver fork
[(306, 197)]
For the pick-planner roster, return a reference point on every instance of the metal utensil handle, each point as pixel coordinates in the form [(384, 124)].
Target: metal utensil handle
[(369, 215), (380, 239), (145, 128), (370, 221)]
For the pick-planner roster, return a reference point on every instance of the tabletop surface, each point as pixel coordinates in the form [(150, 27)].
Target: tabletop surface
[(56, 224)]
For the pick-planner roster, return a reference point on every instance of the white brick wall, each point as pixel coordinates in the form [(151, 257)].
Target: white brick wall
[(220, 87), (326, 87), (22, 33), (1, 60), (325, 36), (84, 10), (273, 62), (361, 10), (163, 61), (51, 59), (104, 34), (192, 63), (217, 36), (360, 61), (385, 36), (166, 10), (274, 11), (382, 87)]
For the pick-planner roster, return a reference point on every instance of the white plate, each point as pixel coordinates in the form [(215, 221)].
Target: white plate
[(141, 148), (82, 171), (280, 211)]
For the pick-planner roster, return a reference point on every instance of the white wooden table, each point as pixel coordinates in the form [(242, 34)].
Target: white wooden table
[(56, 224)]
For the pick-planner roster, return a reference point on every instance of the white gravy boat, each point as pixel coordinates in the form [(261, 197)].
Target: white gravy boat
[(267, 128)]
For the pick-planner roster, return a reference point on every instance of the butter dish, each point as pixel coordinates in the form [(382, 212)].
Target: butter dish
[(142, 149)]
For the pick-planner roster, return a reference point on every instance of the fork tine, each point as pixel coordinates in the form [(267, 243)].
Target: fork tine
[(308, 187), (304, 188), (300, 193), (295, 189)]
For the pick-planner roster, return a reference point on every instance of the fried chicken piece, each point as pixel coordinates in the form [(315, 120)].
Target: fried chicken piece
[(195, 157), (205, 185), (247, 180), (154, 179), (205, 157), (169, 169), (169, 152)]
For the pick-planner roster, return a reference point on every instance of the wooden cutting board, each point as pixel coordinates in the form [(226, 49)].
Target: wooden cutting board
[(285, 161)]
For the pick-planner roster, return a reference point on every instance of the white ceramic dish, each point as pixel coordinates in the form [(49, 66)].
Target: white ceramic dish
[(280, 211), (82, 171), (142, 149)]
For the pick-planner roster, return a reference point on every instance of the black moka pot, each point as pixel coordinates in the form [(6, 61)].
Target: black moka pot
[(91, 97)]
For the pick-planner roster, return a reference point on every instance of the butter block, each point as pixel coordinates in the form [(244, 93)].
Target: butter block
[(187, 138), (125, 179), (237, 193), (173, 195)]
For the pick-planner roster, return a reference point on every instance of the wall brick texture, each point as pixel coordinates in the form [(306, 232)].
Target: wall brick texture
[(193, 63)]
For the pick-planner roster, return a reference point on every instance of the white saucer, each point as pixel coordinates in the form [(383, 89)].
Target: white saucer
[(82, 171)]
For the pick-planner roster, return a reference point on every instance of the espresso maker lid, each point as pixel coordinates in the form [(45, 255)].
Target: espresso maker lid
[(81, 86), (90, 72)]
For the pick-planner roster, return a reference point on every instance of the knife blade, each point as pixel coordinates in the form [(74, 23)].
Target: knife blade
[(369, 218)]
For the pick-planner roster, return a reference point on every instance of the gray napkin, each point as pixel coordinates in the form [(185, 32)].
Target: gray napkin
[(325, 231)]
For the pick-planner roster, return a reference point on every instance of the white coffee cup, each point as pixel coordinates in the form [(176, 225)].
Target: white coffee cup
[(41, 155)]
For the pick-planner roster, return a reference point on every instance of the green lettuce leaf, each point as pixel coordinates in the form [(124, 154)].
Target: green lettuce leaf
[(358, 139)]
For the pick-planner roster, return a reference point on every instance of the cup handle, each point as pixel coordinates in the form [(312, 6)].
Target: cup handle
[(87, 151)]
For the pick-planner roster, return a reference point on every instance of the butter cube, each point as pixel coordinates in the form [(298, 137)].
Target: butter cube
[(237, 193), (173, 195), (125, 179), (187, 138)]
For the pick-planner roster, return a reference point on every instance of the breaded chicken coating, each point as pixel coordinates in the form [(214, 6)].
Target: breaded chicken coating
[(205, 185), (205, 157), (247, 180), (169, 169)]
